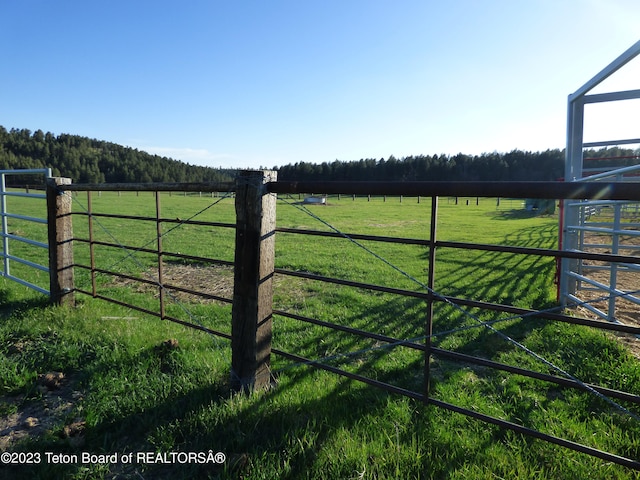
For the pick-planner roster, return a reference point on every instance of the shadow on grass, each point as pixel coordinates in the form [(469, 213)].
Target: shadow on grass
[(12, 306), (273, 434), (501, 277), (516, 214)]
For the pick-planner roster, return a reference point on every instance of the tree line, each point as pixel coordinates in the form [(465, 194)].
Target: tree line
[(87, 160), (516, 165)]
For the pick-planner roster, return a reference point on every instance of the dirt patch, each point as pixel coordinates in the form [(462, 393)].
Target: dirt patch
[(35, 416), (212, 280), (209, 279), (627, 280), (626, 311)]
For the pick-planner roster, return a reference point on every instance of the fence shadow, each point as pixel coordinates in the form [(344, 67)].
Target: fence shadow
[(248, 428), (10, 305), (497, 271)]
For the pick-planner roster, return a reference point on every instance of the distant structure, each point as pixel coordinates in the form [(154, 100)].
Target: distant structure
[(315, 200), (541, 205)]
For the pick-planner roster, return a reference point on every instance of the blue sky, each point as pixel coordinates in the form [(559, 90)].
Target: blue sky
[(267, 83)]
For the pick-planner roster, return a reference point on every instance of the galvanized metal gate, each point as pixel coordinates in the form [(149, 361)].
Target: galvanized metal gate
[(607, 226), (8, 237), (596, 225)]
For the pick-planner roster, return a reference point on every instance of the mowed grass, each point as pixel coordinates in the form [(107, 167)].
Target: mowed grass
[(136, 392)]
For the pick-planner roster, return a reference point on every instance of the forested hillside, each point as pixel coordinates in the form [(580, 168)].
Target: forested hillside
[(86, 160)]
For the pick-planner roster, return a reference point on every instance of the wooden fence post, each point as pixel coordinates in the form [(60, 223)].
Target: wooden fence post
[(60, 234), (253, 281)]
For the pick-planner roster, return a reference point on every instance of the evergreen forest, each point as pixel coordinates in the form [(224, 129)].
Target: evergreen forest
[(86, 160), (516, 165)]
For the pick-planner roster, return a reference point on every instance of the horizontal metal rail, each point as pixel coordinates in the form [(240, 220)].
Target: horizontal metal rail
[(350, 283), (612, 143), (28, 241), (155, 283), (155, 314), (27, 284), (353, 376), (610, 231), (208, 296), (468, 303), (591, 308), (355, 331), (551, 190), (618, 173), (154, 219), (619, 460), (26, 218), (25, 262), (602, 287), (565, 382), (182, 256), (620, 268), (24, 194), (596, 203), (528, 313), (152, 187), (610, 225), (544, 252), (22, 171), (355, 236)]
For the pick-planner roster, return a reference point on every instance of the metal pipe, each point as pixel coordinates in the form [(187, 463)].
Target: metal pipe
[(5, 234), (153, 187), (551, 190), (433, 230)]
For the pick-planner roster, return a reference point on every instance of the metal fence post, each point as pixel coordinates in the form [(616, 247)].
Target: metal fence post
[(433, 228), (60, 232), (5, 229), (253, 278)]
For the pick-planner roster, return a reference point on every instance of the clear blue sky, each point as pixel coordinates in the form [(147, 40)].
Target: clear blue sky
[(265, 83)]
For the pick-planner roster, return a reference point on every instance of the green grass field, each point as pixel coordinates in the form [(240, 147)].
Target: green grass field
[(127, 390)]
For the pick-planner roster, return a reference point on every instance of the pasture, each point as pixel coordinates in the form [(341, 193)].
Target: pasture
[(134, 383)]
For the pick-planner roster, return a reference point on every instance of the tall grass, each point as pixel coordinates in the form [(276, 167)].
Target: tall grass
[(137, 392)]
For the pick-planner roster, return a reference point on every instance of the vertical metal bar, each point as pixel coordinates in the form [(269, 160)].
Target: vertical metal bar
[(5, 238), (584, 219), (430, 285), (615, 248), (573, 171), (92, 256), (575, 133), (160, 269)]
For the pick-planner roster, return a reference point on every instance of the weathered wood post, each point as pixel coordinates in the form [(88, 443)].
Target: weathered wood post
[(253, 281), (60, 234)]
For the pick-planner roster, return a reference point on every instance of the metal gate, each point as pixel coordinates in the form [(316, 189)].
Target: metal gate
[(611, 227), (8, 237)]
